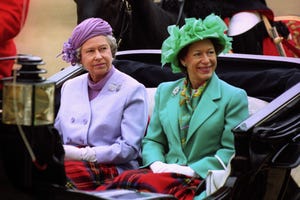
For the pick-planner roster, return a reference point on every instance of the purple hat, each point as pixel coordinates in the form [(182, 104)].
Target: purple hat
[(87, 29)]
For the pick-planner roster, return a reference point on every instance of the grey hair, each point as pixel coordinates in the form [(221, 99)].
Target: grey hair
[(113, 44)]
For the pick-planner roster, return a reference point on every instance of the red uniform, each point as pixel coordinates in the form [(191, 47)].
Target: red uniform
[(13, 14)]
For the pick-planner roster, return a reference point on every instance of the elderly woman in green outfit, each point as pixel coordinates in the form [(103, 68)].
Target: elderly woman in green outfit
[(190, 129)]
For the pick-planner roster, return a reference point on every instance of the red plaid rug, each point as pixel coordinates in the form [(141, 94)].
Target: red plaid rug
[(144, 180), (84, 175)]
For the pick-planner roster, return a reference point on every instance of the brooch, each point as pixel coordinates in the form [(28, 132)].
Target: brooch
[(113, 87), (176, 90)]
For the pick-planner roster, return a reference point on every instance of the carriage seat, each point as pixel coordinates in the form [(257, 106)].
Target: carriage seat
[(254, 104)]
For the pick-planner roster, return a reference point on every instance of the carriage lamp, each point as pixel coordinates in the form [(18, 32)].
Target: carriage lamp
[(28, 98)]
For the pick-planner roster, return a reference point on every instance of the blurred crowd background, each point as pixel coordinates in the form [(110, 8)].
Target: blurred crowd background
[(50, 23)]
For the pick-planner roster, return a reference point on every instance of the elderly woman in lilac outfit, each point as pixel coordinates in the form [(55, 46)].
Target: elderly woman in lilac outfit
[(103, 113)]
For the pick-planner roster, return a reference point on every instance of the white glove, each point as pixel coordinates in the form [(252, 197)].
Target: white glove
[(75, 153), (160, 167), (157, 166), (186, 170)]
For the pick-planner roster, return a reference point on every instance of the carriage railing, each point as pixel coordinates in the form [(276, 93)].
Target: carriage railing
[(263, 77), (267, 148), (153, 56)]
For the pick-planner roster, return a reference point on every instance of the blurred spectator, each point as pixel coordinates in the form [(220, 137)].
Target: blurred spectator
[(13, 15)]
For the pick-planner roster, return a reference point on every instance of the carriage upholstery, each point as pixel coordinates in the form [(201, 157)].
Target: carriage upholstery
[(254, 103), (263, 77)]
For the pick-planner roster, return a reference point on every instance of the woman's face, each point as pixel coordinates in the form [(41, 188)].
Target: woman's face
[(96, 57), (200, 61)]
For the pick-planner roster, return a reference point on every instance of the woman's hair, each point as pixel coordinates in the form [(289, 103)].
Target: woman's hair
[(113, 44), (182, 53), (218, 46)]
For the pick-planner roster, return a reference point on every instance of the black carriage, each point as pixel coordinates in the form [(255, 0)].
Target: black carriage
[(267, 143)]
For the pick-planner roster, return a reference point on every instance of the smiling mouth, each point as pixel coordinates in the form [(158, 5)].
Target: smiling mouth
[(204, 69)]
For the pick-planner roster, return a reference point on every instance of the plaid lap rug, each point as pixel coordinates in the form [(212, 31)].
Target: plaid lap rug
[(144, 180), (83, 175)]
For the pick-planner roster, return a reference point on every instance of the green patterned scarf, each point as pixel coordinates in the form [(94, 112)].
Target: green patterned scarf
[(189, 99)]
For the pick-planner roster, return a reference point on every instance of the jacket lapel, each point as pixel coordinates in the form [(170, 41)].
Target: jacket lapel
[(173, 111), (206, 106)]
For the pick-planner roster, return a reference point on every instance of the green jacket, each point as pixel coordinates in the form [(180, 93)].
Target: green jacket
[(221, 108)]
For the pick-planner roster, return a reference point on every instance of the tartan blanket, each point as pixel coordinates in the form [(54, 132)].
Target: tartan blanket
[(83, 175), (144, 180)]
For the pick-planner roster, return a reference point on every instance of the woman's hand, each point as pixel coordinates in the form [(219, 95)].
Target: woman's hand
[(75, 153), (160, 167)]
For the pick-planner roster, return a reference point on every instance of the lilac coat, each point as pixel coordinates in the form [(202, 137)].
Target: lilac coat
[(113, 123)]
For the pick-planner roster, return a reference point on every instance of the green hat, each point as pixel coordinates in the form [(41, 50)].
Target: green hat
[(193, 30)]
